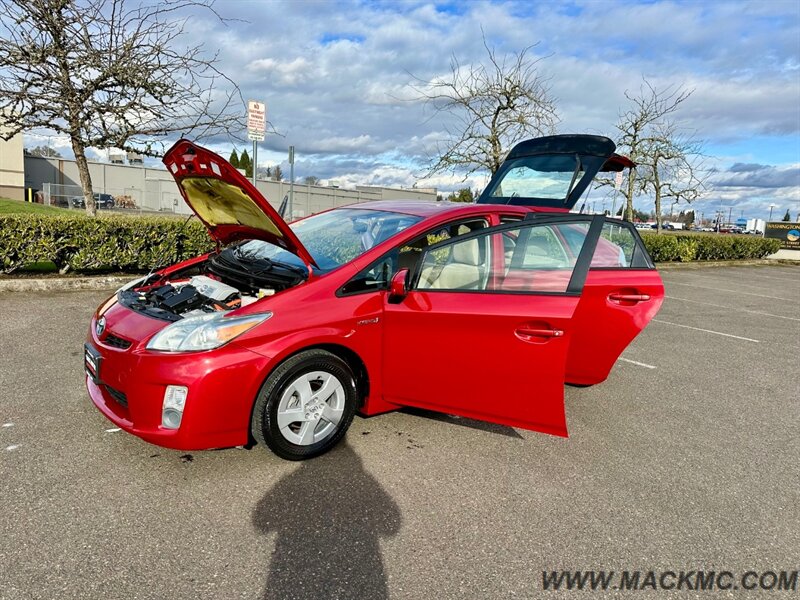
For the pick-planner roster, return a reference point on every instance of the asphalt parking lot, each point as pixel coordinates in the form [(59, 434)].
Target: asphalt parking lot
[(688, 457)]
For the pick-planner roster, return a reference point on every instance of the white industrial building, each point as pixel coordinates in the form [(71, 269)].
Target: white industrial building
[(154, 189), (12, 175)]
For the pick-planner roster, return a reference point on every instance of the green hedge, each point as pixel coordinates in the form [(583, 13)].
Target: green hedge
[(137, 244), (685, 247), (109, 243)]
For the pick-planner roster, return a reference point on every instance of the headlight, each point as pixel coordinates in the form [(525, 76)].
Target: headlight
[(204, 332)]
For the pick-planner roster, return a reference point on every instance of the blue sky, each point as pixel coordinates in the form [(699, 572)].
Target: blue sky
[(336, 75)]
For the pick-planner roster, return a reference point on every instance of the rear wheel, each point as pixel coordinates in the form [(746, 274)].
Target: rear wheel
[(305, 406)]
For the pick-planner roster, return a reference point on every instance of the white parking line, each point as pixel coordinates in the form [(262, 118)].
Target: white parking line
[(754, 312), (703, 287), (730, 335), (113, 430), (637, 363), (8, 424), (12, 447), (751, 274)]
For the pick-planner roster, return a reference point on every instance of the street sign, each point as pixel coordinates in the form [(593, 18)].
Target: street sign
[(256, 118), (618, 180), (256, 137)]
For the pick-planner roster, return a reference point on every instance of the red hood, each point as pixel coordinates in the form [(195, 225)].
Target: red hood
[(227, 203)]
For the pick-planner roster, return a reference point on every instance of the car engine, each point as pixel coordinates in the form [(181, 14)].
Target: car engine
[(227, 280), (172, 301)]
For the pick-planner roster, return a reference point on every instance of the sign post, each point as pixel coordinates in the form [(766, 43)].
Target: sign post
[(617, 185), (256, 127), (291, 181)]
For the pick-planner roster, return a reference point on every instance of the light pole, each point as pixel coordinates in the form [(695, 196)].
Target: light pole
[(771, 206)]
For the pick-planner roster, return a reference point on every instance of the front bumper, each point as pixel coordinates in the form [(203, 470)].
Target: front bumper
[(222, 386)]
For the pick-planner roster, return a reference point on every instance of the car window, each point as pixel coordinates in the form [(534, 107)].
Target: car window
[(543, 176), (336, 236), (615, 248), (536, 258), (378, 275)]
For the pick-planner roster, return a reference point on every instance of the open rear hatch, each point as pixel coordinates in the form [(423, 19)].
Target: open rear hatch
[(226, 202), (552, 171)]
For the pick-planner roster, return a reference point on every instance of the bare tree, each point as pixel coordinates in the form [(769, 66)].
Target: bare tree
[(493, 105), (637, 125), (670, 167), (311, 180), (110, 73)]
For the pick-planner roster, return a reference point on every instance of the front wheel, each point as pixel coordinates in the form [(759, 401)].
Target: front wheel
[(305, 406)]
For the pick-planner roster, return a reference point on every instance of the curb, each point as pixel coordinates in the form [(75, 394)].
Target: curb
[(57, 284), (668, 266)]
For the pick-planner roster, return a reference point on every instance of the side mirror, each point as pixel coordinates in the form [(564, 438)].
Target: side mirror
[(398, 288)]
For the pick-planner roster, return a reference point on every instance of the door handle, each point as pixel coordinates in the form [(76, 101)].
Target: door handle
[(619, 298), (545, 333)]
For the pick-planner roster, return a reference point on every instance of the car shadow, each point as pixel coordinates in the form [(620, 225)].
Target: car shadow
[(329, 515), (464, 422)]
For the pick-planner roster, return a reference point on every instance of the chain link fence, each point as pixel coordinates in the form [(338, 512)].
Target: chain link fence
[(157, 197)]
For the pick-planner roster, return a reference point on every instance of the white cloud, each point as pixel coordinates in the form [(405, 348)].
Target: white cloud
[(335, 75)]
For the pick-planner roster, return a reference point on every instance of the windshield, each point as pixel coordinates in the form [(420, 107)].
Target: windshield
[(546, 176), (335, 237)]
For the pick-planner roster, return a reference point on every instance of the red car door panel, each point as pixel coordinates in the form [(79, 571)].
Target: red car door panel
[(498, 358), (616, 305), (485, 331)]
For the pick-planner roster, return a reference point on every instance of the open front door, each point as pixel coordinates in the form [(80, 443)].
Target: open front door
[(622, 293), (484, 330)]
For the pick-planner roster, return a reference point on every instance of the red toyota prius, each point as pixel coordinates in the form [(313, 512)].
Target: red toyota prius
[(286, 331)]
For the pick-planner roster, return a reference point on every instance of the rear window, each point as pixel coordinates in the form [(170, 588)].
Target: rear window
[(548, 177)]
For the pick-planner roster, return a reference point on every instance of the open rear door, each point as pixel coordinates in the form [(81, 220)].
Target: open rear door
[(552, 172), (485, 330), (622, 293)]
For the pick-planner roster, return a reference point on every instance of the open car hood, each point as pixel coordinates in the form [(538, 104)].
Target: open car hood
[(552, 171), (228, 204)]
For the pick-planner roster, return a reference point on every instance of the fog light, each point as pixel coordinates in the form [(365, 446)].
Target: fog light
[(172, 408)]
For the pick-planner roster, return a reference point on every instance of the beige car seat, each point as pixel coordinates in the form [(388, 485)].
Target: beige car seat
[(463, 271)]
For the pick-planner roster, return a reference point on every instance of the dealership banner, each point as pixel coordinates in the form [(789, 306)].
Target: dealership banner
[(787, 233)]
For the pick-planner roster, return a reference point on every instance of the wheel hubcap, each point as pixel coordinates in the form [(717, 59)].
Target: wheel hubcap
[(311, 408)]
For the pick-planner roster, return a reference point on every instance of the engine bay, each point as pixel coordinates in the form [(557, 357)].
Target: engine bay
[(226, 281)]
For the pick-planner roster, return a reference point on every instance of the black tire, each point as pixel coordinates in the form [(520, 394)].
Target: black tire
[(264, 425)]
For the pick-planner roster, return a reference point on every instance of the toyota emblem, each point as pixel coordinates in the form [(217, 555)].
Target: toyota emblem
[(100, 327)]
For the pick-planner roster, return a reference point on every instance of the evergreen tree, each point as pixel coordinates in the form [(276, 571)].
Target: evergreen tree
[(462, 195), (787, 216), (246, 164), (277, 173), (234, 159)]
